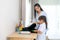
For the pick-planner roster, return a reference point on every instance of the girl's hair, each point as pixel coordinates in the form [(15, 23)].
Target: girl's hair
[(37, 4), (44, 19)]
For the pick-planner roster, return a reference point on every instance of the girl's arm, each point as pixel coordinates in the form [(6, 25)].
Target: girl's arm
[(38, 31), (41, 29)]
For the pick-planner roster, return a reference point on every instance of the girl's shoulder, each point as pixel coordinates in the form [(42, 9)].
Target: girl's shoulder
[(43, 25)]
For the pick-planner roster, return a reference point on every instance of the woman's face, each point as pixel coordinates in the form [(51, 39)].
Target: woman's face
[(37, 8)]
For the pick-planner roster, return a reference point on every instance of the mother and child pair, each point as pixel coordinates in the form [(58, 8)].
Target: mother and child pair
[(39, 25)]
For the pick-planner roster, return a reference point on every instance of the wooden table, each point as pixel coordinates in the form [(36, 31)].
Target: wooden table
[(16, 36)]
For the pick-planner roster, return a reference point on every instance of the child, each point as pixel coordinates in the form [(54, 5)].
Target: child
[(42, 28)]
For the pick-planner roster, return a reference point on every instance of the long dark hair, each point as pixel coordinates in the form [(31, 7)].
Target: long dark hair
[(44, 19), (37, 4)]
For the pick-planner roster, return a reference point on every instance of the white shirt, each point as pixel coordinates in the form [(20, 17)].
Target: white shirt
[(42, 28), (37, 16)]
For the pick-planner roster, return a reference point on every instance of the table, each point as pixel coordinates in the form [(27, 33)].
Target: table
[(16, 36)]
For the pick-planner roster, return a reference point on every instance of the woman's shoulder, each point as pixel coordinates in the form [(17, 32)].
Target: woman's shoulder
[(43, 13)]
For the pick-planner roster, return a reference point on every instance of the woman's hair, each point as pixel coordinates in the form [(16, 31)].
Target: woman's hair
[(44, 19), (37, 4)]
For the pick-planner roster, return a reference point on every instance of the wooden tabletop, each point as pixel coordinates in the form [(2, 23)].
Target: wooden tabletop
[(15, 34)]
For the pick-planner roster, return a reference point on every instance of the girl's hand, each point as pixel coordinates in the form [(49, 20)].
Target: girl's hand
[(35, 30), (39, 32)]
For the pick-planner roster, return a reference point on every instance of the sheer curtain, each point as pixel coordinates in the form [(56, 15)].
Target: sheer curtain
[(28, 13)]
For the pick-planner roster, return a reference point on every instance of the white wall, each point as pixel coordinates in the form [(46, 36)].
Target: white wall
[(9, 16)]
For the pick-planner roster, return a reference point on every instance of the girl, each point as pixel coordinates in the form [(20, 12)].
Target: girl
[(41, 28)]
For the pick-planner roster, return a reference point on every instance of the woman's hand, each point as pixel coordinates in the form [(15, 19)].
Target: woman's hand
[(37, 22)]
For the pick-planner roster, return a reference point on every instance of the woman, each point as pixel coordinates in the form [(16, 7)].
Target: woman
[(38, 11)]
